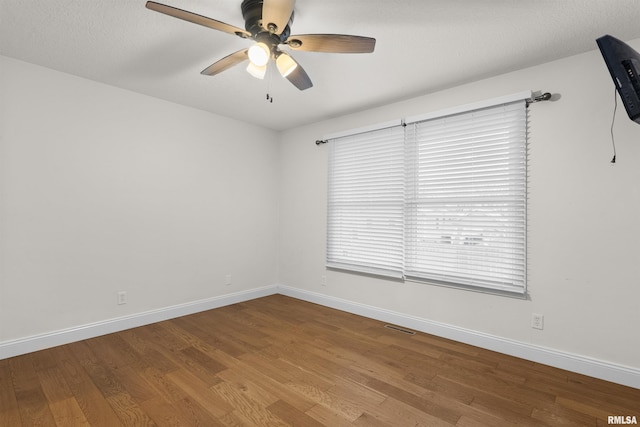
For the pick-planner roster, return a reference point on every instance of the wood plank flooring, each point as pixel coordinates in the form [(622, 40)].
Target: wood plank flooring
[(278, 361)]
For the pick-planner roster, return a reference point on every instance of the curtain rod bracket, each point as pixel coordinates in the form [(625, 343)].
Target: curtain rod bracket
[(544, 97), (321, 141)]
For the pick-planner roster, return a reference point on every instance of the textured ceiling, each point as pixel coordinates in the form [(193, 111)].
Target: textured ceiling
[(422, 46)]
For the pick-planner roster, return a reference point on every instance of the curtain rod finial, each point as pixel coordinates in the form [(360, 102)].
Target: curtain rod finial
[(542, 97)]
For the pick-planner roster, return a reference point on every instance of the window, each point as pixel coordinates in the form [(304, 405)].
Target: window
[(366, 202), (441, 200)]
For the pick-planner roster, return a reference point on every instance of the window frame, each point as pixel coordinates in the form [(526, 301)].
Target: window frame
[(518, 291)]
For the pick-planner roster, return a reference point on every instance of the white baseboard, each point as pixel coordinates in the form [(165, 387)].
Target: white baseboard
[(65, 336), (595, 368), (571, 362)]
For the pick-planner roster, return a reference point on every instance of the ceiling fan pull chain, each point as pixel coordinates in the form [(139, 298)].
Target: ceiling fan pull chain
[(269, 78)]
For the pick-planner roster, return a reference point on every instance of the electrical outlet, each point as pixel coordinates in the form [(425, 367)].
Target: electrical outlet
[(227, 280), (537, 321), (323, 280), (122, 297)]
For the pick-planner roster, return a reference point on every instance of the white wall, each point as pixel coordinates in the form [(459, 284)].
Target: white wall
[(584, 216), (103, 190)]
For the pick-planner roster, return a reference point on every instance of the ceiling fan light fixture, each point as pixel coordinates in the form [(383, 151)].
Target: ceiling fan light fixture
[(255, 71), (259, 54), (285, 64)]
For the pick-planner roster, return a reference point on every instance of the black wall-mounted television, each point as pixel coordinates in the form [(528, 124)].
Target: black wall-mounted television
[(623, 63)]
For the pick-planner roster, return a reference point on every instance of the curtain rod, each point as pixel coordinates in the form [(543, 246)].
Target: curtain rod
[(528, 97)]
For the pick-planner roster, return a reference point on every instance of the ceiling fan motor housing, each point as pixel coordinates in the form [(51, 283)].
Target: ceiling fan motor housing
[(252, 14)]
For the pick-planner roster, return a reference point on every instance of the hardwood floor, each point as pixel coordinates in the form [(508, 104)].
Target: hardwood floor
[(277, 361)]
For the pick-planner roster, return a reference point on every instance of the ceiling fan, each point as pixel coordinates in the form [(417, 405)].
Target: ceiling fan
[(267, 23)]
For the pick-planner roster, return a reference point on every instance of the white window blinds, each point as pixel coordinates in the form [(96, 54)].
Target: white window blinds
[(441, 200), (466, 199), (365, 202)]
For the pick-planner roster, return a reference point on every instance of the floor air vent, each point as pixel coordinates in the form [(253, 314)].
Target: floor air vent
[(399, 329)]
